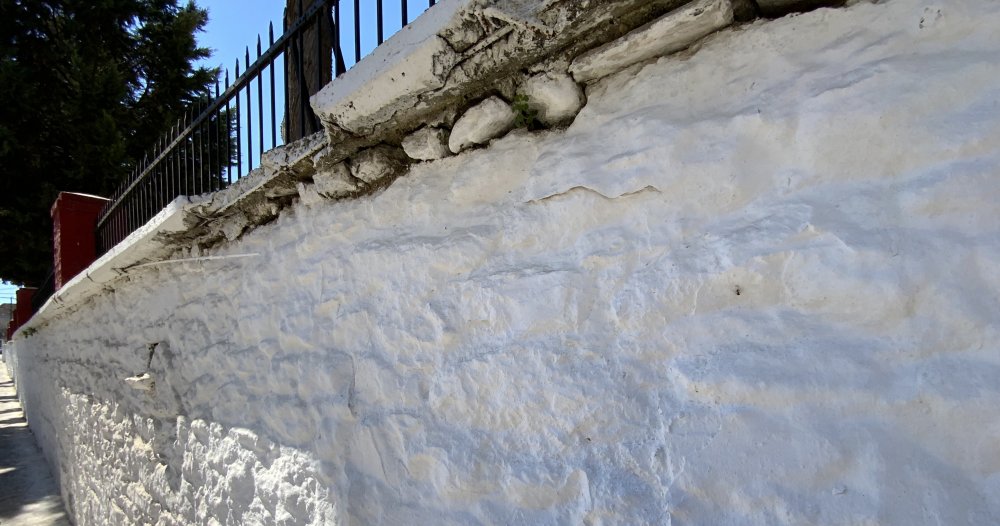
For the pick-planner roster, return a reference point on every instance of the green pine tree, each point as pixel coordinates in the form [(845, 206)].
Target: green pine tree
[(87, 86)]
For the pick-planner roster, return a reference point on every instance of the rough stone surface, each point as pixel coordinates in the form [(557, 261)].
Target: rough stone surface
[(427, 144), (308, 195), (291, 156), (668, 34), (335, 181), (487, 120), (234, 226), (378, 163), (556, 97), (141, 382), (413, 62), (463, 50), (757, 285)]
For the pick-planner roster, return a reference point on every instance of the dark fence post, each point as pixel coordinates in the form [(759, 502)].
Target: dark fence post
[(307, 69)]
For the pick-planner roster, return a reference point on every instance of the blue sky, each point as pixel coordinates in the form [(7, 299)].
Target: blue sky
[(233, 25), (7, 294)]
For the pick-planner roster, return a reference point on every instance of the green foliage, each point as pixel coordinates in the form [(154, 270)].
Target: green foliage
[(87, 87), (524, 115)]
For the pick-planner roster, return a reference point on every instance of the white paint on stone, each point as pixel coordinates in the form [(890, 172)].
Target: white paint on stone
[(670, 33), (427, 144), (140, 382), (413, 61), (479, 124), (754, 286), (556, 97)]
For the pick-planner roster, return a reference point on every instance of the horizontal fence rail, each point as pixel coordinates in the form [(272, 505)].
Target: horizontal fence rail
[(220, 137)]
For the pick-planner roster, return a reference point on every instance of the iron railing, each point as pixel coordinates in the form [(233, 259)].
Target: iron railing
[(44, 292), (214, 143)]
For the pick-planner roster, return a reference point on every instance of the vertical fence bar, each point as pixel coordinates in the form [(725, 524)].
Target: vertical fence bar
[(338, 54), (301, 75), (168, 167), (284, 125), (143, 190), (217, 144), (320, 19), (357, 31), (175, 178), (379, 29), (117, 222), (274, 126), (147, 187), (130, 203), (239, 125), (300, 64), (402, 12), (164, 143), (249, 117), (155, 180), (191, 168), (137, 196), (260, 100), (229, 136), (202, 154), (196, 142)]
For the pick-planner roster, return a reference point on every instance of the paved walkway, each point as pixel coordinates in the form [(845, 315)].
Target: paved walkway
[(28, 494)]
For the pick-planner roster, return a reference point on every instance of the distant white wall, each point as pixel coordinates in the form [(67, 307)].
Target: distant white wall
[(755, 285)]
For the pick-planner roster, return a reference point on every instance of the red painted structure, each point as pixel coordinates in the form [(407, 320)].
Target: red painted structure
[(22, 310), (74, 221), (74, 247)]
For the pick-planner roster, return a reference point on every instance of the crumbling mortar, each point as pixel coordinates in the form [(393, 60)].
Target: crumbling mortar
[(496, 63)]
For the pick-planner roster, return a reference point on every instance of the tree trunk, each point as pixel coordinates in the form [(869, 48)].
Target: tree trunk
[(308, 67)]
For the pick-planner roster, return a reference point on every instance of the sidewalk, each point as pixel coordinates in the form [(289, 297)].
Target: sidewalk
[(28, 494)]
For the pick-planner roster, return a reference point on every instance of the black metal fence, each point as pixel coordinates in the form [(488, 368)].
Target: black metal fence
[(218, 139), (44, 292)]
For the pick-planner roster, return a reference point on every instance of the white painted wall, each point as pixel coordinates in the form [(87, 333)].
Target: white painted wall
[(755, 285)]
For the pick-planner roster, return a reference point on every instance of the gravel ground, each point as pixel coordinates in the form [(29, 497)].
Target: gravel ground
[(28, 493)]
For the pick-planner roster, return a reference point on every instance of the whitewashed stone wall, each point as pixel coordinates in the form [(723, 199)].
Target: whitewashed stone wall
[(756, 285)]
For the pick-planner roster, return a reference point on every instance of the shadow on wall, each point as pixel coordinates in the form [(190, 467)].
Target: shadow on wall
[(27, 491)]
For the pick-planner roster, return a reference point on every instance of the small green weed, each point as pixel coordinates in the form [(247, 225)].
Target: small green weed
[(524, 115)]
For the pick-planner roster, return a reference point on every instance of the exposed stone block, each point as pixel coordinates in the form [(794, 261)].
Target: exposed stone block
[(377, 163), (556, 97), (308, 194), (141, 382), (487, 120), (335, 181), (427, 144), (233, 227), (668, 34)]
